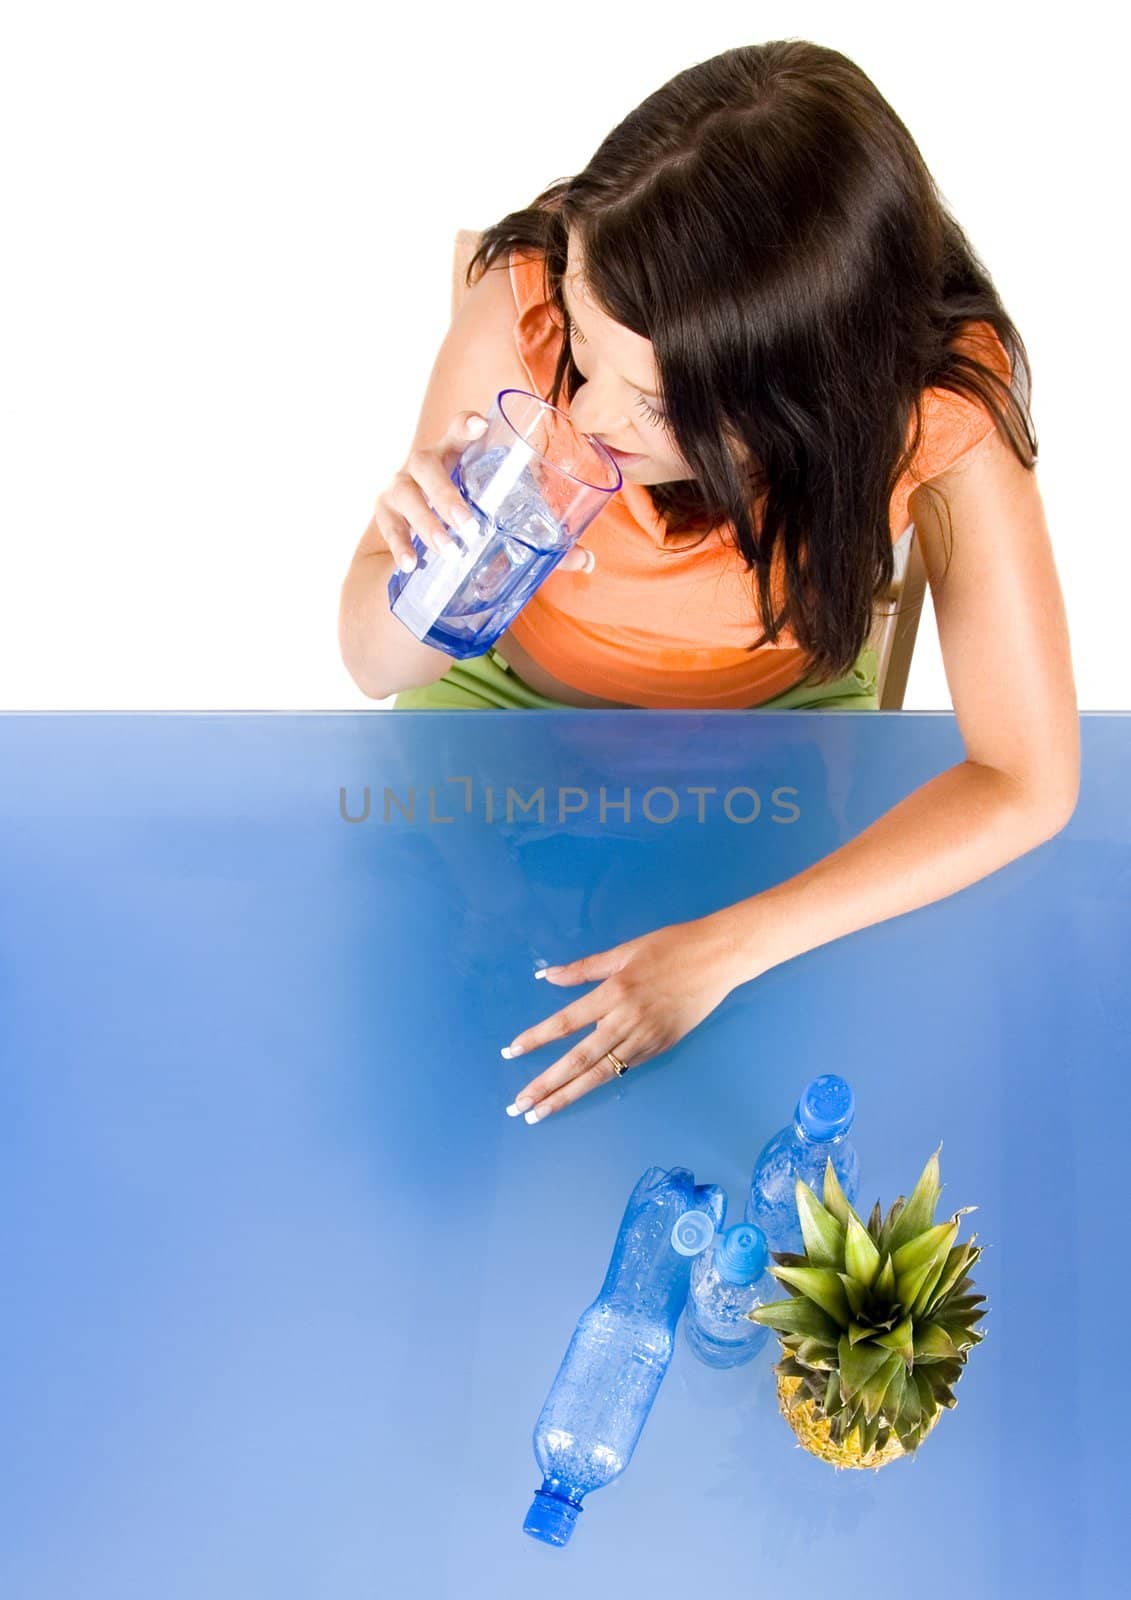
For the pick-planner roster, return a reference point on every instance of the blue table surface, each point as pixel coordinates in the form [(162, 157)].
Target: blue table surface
[(285, 1288)]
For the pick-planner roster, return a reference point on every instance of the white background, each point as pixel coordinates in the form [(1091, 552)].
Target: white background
[(226, 272)]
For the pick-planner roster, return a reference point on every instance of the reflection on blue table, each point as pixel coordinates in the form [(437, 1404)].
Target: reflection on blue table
[(274, 1257)]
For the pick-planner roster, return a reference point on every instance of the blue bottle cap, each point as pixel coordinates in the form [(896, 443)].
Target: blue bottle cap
[(827, 1107), (693, 1232), (741, 1254), (551, 1518)]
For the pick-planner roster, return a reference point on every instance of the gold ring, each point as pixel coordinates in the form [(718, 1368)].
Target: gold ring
[(618, 1065)]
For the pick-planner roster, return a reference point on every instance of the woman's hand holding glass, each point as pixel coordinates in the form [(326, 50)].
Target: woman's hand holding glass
[(422, 494)]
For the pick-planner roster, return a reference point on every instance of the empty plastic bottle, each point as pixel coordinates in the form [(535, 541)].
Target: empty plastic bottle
[(621, 1347), (820, 1130), (728, 1279)]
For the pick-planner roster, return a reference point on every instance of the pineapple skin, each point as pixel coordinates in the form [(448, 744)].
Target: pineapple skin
[(814, 1432)]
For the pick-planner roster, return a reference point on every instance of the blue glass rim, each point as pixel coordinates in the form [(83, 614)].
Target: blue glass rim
[(594, 444)]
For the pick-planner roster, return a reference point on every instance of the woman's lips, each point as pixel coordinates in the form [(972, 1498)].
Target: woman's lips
[(623, 455)]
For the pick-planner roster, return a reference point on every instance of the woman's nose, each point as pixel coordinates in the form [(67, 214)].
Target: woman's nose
[(592, 414)]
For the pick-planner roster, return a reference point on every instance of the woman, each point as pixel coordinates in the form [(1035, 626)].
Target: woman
[(755, 289)]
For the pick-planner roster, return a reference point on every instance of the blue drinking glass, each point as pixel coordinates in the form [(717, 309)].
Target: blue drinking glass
[(534, 483)]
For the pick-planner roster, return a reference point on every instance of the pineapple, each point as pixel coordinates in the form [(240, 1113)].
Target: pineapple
[(878, 1324)]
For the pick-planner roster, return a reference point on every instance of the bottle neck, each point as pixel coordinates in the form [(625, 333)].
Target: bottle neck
[(807, 1139), (562, 1489)]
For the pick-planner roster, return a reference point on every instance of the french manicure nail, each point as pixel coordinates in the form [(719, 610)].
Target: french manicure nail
[(514, 1111), (510, 1050), (532, 1116)]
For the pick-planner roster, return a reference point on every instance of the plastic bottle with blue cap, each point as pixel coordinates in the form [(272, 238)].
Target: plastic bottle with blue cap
[(820, 1131), (728, 1279), (621, 1348)]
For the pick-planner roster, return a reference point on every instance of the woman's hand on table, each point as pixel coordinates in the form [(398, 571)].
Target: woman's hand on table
[(656, 989)]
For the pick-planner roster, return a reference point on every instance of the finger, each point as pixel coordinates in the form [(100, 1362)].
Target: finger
[(425, 494), (403, 513), (579, 560), (396, 535), (601, 965), (581, 1082), (579, 1013), (410, 505), (464, 425), (464, 428), (588, 1059)]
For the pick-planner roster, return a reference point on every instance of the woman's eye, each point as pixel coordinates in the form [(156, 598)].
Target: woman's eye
[(657, 417), (575, 337)]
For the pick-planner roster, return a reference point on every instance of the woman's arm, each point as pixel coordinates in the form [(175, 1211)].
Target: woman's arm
[(1005, 646), (475, 360)]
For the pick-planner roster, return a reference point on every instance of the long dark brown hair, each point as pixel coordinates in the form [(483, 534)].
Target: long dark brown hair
[(768, 223)]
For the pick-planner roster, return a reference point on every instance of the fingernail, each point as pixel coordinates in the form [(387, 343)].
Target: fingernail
[(532, 1116), (510, 1050), (590, 561), (542, 971), (476, 426), (406, 563), (514, 1111), (466, 529)]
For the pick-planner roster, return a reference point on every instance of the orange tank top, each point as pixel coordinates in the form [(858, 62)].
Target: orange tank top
[(665, 630)]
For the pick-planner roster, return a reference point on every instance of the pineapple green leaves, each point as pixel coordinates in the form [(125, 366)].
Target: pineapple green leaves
[(861, 1255), (822, 1231), (880, 1318)]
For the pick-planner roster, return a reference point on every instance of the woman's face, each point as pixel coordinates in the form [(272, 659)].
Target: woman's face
[(618, 400)]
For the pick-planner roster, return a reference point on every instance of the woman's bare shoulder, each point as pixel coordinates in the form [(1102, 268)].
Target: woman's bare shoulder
[(477, 357), (485, 324), (490, 295)]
